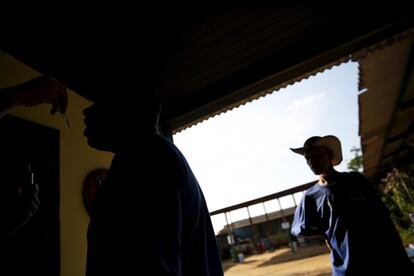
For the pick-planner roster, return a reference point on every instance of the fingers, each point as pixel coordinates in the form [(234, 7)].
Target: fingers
[(43, 90), (59, 97), (60, 102), (63, 100), (36, 190), (54, 108)]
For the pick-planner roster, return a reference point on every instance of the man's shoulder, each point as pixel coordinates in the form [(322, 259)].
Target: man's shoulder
[(353, 174), (313, 191), (354, 177), (161, 150), (150, 144), (152, 152), (166, 147)]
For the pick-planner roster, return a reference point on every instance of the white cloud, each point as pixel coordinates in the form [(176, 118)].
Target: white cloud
[(303, 102)]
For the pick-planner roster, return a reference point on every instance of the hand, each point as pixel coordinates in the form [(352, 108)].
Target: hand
[(30, 198), (43, 90)]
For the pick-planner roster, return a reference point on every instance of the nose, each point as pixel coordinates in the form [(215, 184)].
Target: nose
[(87, 110), (312, 162)]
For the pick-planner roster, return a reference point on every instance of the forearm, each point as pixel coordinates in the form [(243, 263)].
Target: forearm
[(34, 92)]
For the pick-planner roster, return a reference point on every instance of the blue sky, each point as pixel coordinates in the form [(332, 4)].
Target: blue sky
[(244, 153)]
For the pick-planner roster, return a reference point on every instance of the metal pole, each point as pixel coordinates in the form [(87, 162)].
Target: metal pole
[(253, 236), (227, 222), (250, 218), (264, 207), (281, 210)]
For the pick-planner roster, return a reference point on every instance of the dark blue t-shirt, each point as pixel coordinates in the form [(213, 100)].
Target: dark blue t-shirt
[(150, 216), (352, 218)]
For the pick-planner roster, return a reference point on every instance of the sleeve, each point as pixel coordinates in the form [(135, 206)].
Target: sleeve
[(305, 220)]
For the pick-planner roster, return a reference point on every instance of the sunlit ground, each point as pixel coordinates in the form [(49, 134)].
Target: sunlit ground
[(309, 261)]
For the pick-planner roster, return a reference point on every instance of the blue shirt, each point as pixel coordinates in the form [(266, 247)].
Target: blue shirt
[(352, 218), (150, 216)]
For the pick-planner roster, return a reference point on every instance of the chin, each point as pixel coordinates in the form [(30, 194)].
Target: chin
[(317, 171), (93, 144), (96, 144)]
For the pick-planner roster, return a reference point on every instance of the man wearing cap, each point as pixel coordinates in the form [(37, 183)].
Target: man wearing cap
[(345, 210)]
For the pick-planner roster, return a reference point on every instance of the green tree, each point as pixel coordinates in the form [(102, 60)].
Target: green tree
[(355, 164), (398, 195)]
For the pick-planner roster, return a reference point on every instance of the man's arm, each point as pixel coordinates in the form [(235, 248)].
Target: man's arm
[(305, 222), (34, 92)]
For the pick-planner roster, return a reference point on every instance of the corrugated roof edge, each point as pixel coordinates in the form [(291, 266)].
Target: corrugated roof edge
[(375, 47), (264, 93)]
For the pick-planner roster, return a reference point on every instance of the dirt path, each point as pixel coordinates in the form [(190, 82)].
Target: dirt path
[(309, 261)]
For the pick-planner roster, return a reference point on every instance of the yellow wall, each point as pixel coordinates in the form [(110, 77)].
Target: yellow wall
[(76, 160)]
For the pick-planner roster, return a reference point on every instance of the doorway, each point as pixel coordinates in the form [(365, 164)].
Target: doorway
[(29, 152)]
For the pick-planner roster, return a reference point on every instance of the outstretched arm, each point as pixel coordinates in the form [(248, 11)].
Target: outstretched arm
[(34, 92)]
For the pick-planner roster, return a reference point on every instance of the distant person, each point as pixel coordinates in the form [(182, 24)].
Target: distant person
[(346, 211), (149, 216), (19, 199)]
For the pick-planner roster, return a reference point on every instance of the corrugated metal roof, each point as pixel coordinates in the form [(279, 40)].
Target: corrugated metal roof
[(365, 54), (384, 70), (263, 93)]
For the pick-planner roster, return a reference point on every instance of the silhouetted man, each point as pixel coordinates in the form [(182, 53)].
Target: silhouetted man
[(149, 216), (346, 211)]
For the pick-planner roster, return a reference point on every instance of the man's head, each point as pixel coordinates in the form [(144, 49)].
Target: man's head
[(321, 153), (111, 120)]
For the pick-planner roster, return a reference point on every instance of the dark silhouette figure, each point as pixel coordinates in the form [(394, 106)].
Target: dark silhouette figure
[(346, 211), (149, 216)]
